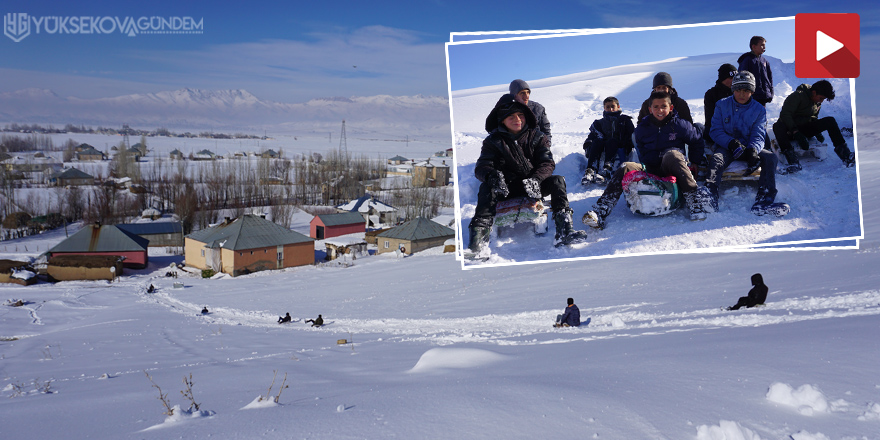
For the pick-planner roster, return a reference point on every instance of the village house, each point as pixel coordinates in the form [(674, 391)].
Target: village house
[(176, 155), (204, 155), (269, 154), (71, 177), (349, 247), (431, 173), (159, 234), (333, 225), (87, 153), (247, 244), (397, 160), (414, 236), (374, 212), (97, 239)]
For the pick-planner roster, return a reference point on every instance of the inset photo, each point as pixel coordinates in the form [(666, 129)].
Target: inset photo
[(697, 138)]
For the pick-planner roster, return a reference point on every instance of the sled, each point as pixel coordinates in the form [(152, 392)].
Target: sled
[(818, 150), (650, 195), (511, 213)]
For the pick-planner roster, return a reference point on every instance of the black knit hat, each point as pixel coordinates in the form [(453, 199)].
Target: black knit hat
[(743, 80), (506, 106), (726, 71), (662, 79), (823, 87)]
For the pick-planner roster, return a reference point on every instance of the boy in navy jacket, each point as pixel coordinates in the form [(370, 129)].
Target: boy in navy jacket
[(612, 135)]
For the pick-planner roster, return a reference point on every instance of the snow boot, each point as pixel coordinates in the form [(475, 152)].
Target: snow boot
[(589, 176), (764, 204), (820, 138), (848, 157), (694, 203), (565, 232), (607, 171), (596, 218), (478, 245), (794, 164), (709, 196)]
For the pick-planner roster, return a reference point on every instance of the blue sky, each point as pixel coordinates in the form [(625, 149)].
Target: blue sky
[(295, 51), (475, 64)]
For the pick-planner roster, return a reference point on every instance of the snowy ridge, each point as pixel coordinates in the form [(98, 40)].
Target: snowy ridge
[(193, 109)]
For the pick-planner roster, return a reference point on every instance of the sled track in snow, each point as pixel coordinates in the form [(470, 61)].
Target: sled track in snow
[(531, 328)]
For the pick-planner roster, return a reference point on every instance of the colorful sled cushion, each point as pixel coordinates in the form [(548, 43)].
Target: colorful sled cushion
[(648, 194)]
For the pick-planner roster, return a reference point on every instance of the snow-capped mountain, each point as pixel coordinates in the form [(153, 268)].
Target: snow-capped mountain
[(239, 110)]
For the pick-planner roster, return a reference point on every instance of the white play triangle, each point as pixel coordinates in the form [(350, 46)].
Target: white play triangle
[(826, 45)]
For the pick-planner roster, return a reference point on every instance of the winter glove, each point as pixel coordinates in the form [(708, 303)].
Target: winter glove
[(587, 145), (752, 160), (533, 188), (801, 140), (736, 148), (497, 184)]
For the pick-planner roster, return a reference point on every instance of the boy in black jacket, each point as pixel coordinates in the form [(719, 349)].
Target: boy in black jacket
[(612, 135)]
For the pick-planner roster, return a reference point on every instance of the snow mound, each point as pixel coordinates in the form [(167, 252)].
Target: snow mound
[(180, 416), (804, 435), (726, 430), (873, 412), (444, 358), (807, 399), (259, 402)]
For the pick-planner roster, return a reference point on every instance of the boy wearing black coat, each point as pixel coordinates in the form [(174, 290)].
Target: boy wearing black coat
[(753, 61), (719, 91), (612, 135), (515, 161)]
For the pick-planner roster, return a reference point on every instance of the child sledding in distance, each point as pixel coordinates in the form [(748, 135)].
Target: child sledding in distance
[(756, 296), (319, 321), (285, 319)]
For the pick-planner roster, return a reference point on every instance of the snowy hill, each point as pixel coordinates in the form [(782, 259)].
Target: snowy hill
[(824, 197), (443, 353), (233, 110)]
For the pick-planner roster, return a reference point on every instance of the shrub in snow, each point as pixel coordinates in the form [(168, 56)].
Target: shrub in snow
[(806, 399), (726, 430)]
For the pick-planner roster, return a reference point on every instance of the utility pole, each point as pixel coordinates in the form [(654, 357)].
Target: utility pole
[(343, 141)]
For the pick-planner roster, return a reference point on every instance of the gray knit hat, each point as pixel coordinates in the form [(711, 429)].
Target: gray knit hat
[(662, 79), (743, 80), (517, 85)]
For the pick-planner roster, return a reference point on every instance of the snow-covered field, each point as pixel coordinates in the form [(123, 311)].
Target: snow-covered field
[(439, 352), (824, 198), (443, 353)]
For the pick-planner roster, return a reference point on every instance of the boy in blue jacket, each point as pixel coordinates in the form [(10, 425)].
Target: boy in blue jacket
[(612, 135), (739, 133), (660, 141)]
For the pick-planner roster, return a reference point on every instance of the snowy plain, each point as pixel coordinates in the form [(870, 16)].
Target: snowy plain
[(824, 197)]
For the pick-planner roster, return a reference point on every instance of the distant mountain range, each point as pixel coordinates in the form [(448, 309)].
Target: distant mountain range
[(232, 110)]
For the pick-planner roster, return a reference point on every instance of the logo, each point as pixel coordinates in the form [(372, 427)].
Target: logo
[(19, 25), (16, 26), (826, 45)]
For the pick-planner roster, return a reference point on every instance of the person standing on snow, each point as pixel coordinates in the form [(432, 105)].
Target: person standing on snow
[(571, 317), (756, 296), (753, 61)]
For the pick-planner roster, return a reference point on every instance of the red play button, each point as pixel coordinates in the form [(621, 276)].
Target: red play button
[(826, 45)]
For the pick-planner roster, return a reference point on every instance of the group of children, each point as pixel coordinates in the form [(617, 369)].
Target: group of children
[(515, 159)]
